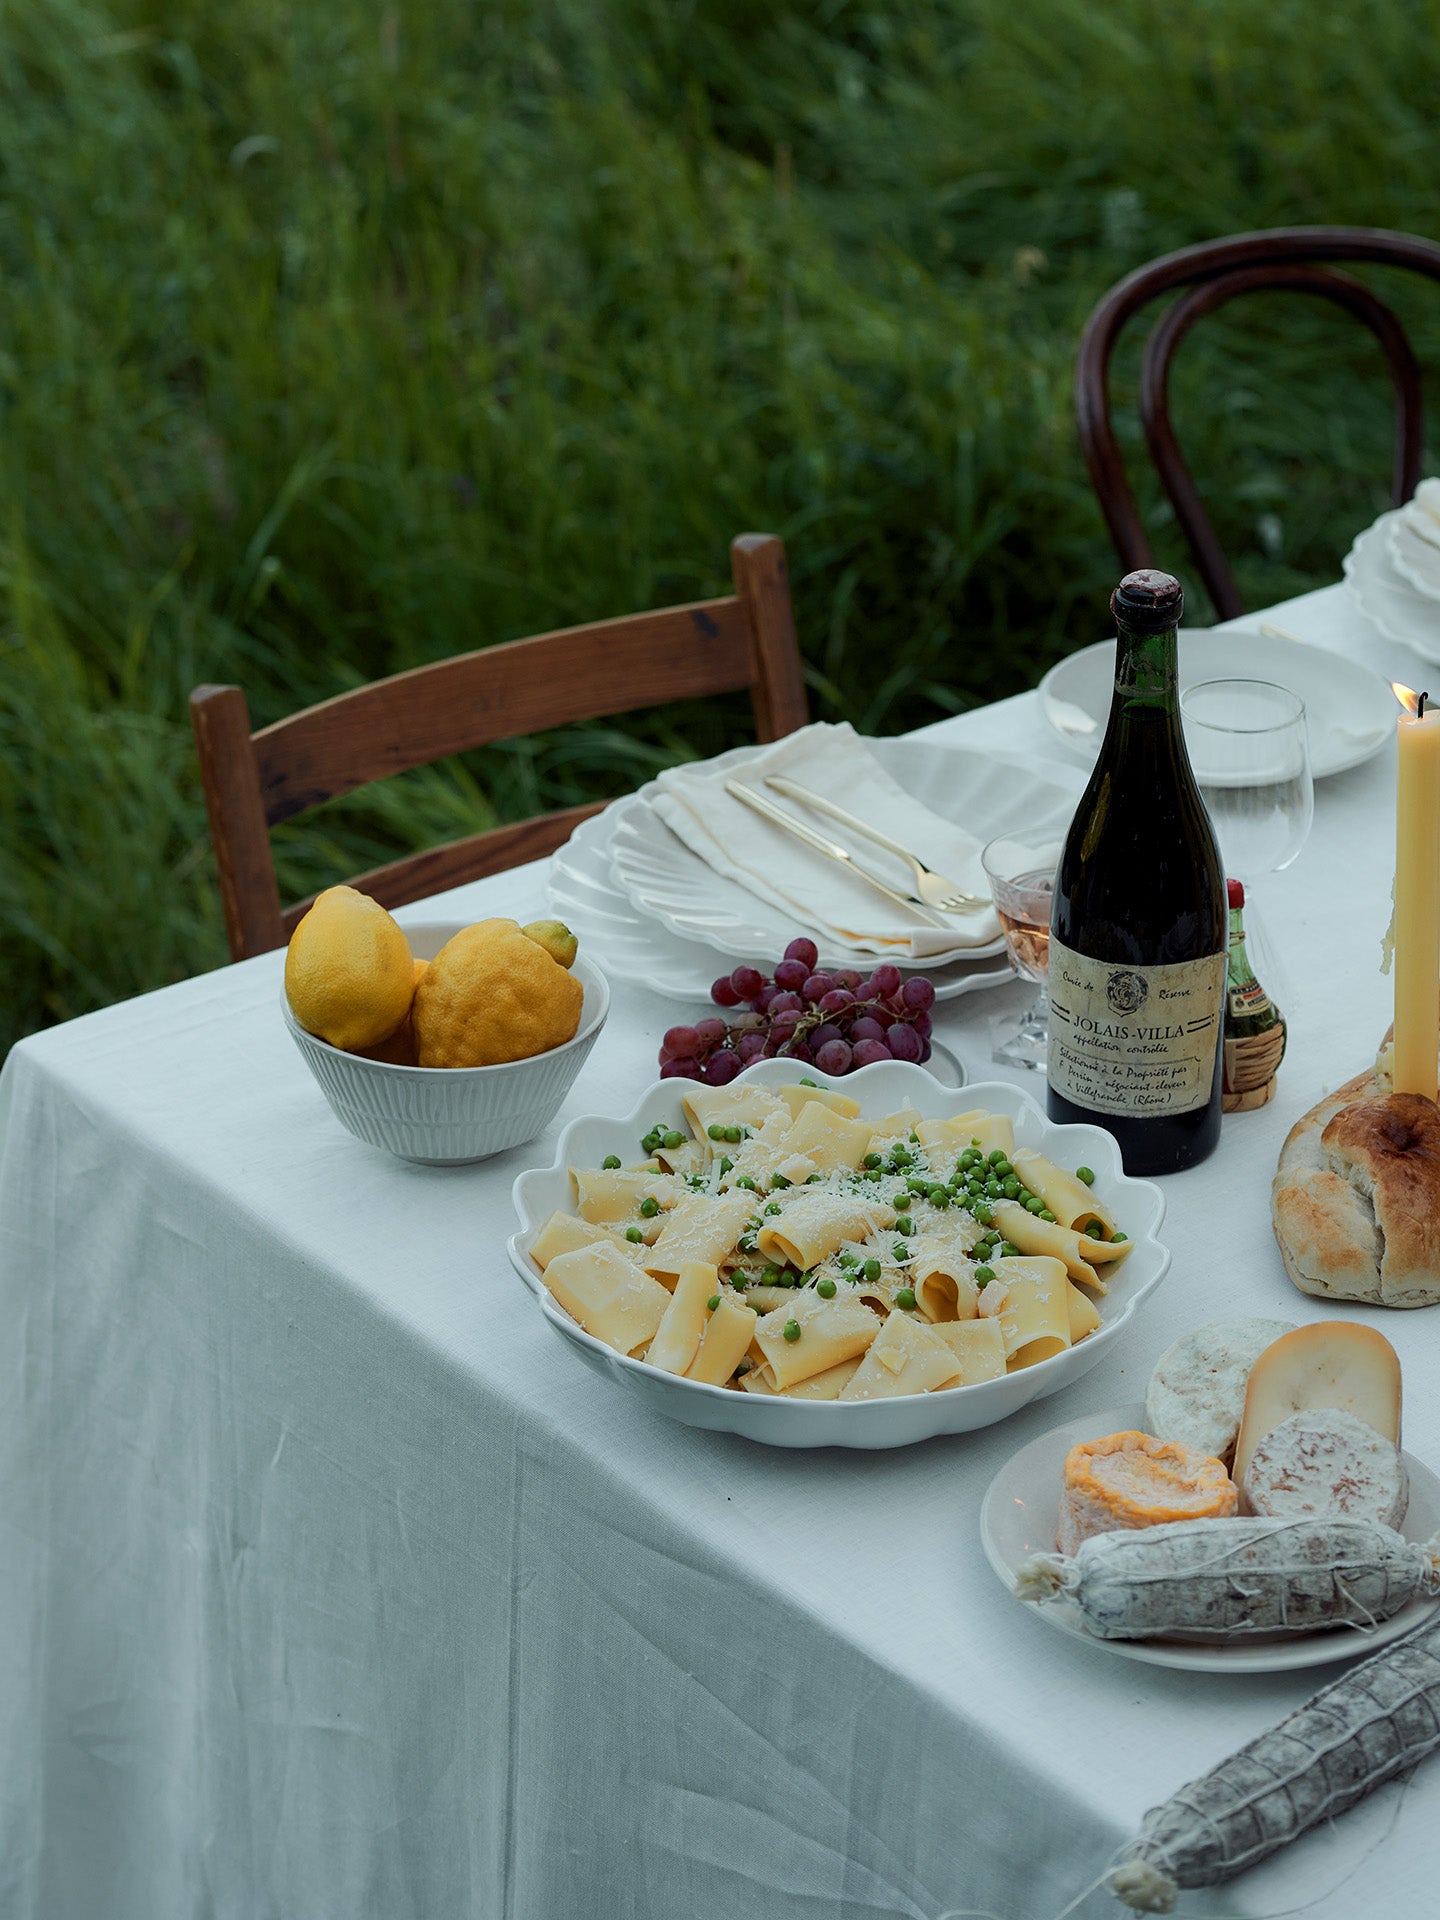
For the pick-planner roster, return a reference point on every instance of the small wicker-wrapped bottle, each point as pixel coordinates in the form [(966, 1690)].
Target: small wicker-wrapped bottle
[(1254, 1032)]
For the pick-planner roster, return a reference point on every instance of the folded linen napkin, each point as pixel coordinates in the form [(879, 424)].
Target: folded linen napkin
[(815, 892)]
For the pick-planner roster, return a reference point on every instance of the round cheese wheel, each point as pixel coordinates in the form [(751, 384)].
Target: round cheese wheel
[(1197, 1391), (1324, 1461), (1134, 1480)]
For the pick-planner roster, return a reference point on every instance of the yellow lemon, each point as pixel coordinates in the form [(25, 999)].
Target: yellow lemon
[(398, 1048), (349, 976), (492, 994)]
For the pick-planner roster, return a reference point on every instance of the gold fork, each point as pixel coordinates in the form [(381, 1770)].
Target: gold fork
[(946, 896)]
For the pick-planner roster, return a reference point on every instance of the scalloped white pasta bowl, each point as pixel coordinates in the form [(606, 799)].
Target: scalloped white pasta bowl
[(1138, 1205)]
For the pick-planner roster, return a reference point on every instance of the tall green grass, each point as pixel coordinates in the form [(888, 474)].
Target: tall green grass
[(333, 339)]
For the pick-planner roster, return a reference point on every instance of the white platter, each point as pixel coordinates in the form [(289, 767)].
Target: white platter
[(1393, 605), (635, 942), (1021, 1512), (1138, 1205), (1349, 711)]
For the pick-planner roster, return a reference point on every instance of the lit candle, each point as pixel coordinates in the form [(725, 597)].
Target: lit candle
[(1417, 896)]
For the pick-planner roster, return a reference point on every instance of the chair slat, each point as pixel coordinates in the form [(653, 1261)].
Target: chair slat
[(523, 686)]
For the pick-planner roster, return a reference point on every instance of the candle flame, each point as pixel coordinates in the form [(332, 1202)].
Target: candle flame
[(1407, 696)]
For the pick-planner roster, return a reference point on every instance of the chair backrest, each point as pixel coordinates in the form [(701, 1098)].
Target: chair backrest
[(253, 780), (1284, 259)]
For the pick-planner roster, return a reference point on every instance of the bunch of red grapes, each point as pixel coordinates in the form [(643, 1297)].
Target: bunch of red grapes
[(834, 1021)]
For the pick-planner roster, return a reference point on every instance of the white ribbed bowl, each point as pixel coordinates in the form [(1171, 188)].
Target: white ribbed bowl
[(445, 1116)]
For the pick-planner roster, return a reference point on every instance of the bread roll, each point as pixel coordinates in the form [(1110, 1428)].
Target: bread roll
[(1356, 1197)]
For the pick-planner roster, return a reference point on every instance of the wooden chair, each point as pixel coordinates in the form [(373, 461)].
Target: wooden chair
[(253, 780), (1285, 259)]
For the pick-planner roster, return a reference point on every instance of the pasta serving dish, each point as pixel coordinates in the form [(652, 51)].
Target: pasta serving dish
[(859, 1263)]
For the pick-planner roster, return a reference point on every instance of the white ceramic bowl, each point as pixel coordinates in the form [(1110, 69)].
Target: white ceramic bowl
[(1139, 1206), (445, 1116)]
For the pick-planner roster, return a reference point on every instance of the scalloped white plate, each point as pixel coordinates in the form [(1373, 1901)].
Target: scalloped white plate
[(1021, 1512), (988, 793), (1415, 555), (1139, 1205), (1390, 603)]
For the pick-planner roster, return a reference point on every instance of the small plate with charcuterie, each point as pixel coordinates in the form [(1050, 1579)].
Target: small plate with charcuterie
[(1196, 1583)]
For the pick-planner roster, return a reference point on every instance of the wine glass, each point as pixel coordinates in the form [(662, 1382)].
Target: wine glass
[(1248, 747), (1021, 870)]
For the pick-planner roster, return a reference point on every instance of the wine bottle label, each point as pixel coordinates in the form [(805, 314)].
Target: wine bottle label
[(1134, 1040)]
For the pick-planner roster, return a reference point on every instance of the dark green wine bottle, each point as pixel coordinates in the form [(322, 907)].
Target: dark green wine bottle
[(1138, 923)]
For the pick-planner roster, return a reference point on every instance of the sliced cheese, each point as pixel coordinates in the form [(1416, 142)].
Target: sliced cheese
[(1128, 1480), (904, 1357), (978, 1345), (1197, 1391), (608, 1295), (1332, 1363), (1084, 1314), (1327, 1463)]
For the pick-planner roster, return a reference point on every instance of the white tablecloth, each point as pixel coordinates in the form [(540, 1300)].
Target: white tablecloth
[(332, 1584)]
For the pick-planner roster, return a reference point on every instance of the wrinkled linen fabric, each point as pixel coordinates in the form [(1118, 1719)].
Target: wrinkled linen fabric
[(333, 1586)]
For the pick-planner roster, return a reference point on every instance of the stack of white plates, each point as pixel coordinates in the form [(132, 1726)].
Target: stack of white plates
[(650, 911), (1393, 570)]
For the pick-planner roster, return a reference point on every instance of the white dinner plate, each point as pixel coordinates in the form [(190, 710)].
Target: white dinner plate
[(1390, 602), (1022, 1511), (652, 912), (1349, 711), (1138, 1205)]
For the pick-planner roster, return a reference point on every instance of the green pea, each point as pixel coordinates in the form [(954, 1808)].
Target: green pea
[(902, 1157), (899, 1200), (811, 1179), (807, 1082), (1095, 1229), (1117, 1237), (780, 1181), (792, 1329), (653, 1138), (610, 1162), (902, 1252), (744, 1367), (746, 1182), (995, 1156), (773, 1208), (634, 1236), (747, 1243), (1045, 1214), (984, 1275), (906, 1298), (1034, 1204), (770, 1277), (715, 1131), (871, 1270), (826, 1288), (1085, 1174), (915, 1136), (872, 1160), (1009, 1251), (848, 1259), (916, 1185), (1010, 1187), (734, 1136), (727, 1165), (937, 1195), (739, 1281), (712, 1303), (649, 1207), (982, 1213)]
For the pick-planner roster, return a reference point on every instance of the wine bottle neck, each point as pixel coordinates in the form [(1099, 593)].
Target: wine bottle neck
[(1241, 973), (1147, 669)]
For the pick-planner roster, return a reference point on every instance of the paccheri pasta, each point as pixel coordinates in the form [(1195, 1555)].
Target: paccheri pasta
[(788, 1245)]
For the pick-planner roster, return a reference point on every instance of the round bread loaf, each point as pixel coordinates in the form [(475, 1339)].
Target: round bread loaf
[(1196, 1394), (1324, 1462), (1356, 1197)]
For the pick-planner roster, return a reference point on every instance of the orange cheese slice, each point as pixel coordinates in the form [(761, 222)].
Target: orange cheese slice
[(1132, 1480)]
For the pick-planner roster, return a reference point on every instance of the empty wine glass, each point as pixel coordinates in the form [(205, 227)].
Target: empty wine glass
[(1248, 747), (1021, 870)]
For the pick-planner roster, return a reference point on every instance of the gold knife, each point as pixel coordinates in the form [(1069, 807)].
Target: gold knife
[(819, 844)]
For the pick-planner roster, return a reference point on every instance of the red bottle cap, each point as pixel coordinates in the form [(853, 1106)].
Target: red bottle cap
[(1236, 891)]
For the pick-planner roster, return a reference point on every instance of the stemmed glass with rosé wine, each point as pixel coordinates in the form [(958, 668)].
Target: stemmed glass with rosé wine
[(1021, 870)]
